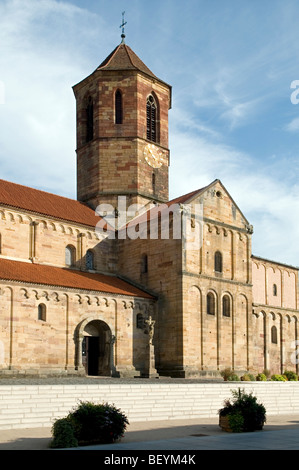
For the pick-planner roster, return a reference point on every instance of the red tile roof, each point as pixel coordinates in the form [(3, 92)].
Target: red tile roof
[(47, 204), (160, 208), (123, 58), (38, 274)]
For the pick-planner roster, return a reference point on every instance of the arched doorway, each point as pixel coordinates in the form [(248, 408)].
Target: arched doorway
[(96, 348)]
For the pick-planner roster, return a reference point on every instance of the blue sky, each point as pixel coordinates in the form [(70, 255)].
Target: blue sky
[(230, 63)]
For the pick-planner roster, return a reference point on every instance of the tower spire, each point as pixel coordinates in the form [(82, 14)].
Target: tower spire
[(123, 28)]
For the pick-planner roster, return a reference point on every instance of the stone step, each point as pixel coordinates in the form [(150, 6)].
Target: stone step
[(30, 406)]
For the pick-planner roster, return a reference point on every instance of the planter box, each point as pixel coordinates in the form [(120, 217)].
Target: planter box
[(224, 423)]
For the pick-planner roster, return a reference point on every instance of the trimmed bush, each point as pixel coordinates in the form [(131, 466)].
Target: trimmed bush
[(267, 373), (63, 433), (278, 378), (261, 377), (248, 377), (229, 375), (290, 375), (89, 423)]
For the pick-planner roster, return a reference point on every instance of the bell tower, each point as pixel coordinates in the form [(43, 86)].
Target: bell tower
[(122, 132)]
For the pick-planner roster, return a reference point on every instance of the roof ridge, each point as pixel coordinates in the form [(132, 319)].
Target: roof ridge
[(108, 59), (128, 49)]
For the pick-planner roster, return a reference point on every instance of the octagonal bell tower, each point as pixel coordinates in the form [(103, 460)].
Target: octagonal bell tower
[(122, 132)]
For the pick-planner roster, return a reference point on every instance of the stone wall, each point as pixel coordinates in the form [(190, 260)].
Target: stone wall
[(53, 344)]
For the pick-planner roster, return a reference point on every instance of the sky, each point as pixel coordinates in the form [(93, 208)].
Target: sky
[(233, 68)]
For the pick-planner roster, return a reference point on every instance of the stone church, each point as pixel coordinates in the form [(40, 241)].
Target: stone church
[(123, 282)]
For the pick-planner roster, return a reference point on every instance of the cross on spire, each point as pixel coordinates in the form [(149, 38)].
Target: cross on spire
[(123, 27)]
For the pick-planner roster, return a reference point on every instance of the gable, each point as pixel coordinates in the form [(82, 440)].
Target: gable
[(218, 206)]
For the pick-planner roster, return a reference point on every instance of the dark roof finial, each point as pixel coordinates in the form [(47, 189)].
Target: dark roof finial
[(123, 27)]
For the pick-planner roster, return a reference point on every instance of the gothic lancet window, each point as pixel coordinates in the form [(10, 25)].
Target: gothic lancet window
[(274, 290), (218, 262), (118, 108), (89, 120), (210, 304), (151, 119)]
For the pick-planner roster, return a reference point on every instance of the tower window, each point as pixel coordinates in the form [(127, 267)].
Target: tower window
[(210, 304), (144, 264), (118, 108), (275, 290), (41, 312), (89, 120), (151, 119), (226, 306), (154, 181), (89, 260), (218, 262)]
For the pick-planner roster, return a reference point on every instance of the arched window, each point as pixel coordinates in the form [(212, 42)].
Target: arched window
[(210, 304), (226, 306), (218, 262), (274, 335), (151, 119), (89, 120), (118, 108), (139, 321), (144, 264), (89, 260), (274, 290), (154, 181), (70, 255), (41, 312)]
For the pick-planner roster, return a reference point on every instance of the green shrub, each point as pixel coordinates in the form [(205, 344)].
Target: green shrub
[(248, 377), (233, 378), (229, 375), (246, 405), (236, 421), (261, 377), (267, 373), (90, 422), (290, 375), (278, 378), (63, 433)]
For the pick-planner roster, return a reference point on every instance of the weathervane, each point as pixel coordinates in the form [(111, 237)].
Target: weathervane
[(123, 27)]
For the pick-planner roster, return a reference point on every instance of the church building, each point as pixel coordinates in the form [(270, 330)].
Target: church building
[(123, 282)]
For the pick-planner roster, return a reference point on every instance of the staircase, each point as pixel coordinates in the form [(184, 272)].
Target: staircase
[(28, 406)]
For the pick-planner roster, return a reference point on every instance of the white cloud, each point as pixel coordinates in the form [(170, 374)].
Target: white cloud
[(293, 126), (38, 69)]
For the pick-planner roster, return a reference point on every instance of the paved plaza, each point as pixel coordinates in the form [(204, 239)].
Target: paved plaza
[(279, 433)]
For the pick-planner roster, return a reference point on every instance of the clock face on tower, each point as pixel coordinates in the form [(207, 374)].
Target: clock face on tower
[(154, 156)]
